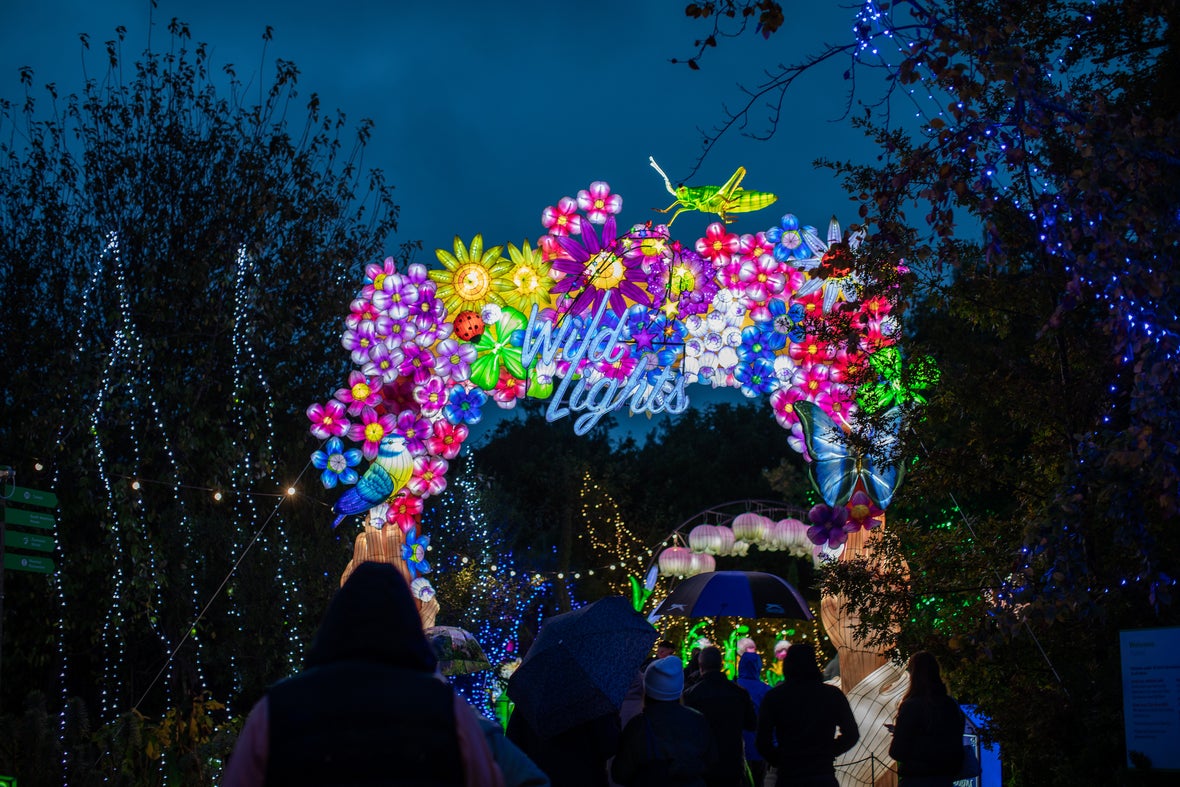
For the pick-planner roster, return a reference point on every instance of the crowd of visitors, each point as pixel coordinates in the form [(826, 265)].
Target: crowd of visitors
[(338, 721)]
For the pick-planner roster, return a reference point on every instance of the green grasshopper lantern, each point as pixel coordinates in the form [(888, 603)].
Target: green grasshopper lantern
[(722, 200)]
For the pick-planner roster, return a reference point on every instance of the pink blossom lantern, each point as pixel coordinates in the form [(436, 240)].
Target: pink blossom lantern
[(793, 537), (704, 538), (675, 562), (702, 564), (749, 527)]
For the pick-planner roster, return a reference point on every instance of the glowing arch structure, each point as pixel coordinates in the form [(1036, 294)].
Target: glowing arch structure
[(597, 318)]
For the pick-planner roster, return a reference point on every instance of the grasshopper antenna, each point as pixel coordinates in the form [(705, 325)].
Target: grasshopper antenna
[(667, 183)]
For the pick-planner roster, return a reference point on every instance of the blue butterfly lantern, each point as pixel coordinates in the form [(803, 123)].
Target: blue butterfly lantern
[(835, 469)]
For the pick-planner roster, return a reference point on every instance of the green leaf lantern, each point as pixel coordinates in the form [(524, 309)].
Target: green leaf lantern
[(495, 350), (899, 383)]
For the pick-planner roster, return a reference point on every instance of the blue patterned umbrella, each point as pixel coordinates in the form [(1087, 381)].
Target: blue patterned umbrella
[(581, 665), (739, 594)]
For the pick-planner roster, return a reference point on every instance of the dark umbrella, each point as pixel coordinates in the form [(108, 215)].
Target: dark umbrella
[(581, 665), (739, 594), (457, 650)]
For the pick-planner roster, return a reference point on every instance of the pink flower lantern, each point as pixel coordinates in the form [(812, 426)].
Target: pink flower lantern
[(726, 538)]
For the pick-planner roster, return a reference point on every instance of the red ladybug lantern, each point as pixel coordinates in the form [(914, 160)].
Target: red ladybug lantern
[(468, 325)]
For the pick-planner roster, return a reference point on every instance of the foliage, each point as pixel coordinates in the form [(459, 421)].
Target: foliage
[(534, 472), (188, 745), (1038, 518), (172, 252), (708, 456)]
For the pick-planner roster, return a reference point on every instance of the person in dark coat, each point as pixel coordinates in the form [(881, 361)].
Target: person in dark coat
[(928, 734), (367, 708), (666, 743), (749, 678), (692, 670), (575, 757), (730, 710), (804, 724)]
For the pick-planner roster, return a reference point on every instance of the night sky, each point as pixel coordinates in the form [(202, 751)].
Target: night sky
[(485, 113)]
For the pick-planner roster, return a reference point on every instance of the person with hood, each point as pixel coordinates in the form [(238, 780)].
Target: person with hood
[(748, 677), (367, 707), (666, 743), (805, 724), (729, 710)]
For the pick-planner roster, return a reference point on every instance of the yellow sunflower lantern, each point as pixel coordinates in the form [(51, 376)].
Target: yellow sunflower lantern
[(471, 279)]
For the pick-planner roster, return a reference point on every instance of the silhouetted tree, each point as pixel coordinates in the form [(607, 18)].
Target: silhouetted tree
[(173, 252), (1037, 520)]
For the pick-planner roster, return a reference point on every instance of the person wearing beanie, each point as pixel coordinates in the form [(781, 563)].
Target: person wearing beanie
[(804, 724), (660, 683), (729, 710), (749, 670), (666, 743), (344, 718)]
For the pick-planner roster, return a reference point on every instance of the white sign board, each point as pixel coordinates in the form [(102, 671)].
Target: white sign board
[(1151, 696)]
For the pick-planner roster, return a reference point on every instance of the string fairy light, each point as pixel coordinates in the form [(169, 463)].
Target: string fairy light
[(1141, 320), (601, 512), (125, 382), (191, 629), (499, 601), (86, 299), (125, 362)]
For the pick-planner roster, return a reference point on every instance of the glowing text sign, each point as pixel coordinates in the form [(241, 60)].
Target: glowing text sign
[(594, 342)]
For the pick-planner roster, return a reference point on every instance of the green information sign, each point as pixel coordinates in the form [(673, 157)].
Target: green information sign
[(7, 781), (18, 540), (17, 516), (33, 497), (40, 565)]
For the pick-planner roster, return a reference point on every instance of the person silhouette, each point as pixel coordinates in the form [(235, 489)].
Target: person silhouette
[(729, 710), (928, 734), (804, 724), (367, 707), (666, 743), (748, 677)]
